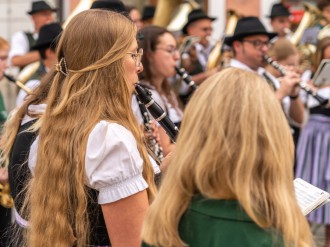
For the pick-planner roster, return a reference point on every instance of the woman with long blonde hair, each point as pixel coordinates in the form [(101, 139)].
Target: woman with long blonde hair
[(93, 180), (230, 182)]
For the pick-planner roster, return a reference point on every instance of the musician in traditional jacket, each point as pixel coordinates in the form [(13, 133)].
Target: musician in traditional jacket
[(20, 54), (45, 46), (250, 44)]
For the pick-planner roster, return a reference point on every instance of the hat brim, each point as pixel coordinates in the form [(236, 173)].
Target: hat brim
[(229, 40), (42, 46), (184, 29), (273, 16), (46, 44), (36, 11)]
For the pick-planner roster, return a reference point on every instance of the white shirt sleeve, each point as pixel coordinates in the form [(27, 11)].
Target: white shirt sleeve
[(19, 45), (113, 163)]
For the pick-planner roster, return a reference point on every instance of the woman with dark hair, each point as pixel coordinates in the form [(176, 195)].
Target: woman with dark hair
[(159, 61)]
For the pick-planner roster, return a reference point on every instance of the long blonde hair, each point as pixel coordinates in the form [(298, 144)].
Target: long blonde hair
[(234, 144), (90, 86)]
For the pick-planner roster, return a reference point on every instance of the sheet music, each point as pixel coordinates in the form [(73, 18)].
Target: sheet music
[(308, 196), (322, 74)]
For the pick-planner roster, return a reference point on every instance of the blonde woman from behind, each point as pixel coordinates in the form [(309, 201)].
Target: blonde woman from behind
[(233, 184)]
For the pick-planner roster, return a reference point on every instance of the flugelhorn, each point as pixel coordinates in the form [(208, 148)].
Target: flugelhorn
[(144, 96), (302, 85)]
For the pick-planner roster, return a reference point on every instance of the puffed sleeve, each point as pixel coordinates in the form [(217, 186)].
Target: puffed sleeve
[(113, 163)]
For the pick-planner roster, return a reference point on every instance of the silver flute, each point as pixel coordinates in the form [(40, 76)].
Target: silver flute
[(302, 85)]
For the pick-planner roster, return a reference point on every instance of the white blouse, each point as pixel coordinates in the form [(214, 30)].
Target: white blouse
[(113, 163)]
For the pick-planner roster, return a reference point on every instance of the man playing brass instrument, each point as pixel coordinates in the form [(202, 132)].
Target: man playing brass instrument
[(199, 25), (280, 20)]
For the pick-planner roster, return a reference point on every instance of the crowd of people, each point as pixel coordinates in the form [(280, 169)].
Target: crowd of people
[(78, 149)]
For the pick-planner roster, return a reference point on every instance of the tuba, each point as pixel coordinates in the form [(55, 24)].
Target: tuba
[(180, 18), (312, 16), (165, 9), (216, 56)]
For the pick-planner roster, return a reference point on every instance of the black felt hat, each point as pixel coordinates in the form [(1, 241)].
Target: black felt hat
[(248, 26), (195, 15), (113, 5), (38, 6), (278, 10), (148, 12), (48, 36)]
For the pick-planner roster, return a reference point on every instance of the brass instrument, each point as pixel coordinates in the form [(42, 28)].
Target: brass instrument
[(216, 56), (5, 198), (164, 13), (18, 83), (324, 32), (311, 17), (180, 18)]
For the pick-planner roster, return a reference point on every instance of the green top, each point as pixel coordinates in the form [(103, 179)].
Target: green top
[(3, 112), (217, 223)]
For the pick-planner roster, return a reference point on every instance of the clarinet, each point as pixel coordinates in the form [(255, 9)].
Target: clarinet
[(186, 78), (302, 85), (144, 96), (152, 142)]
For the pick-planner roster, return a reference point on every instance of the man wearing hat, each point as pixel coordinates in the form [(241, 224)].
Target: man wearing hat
[(46, 44), (250, 44), (113, 5), (21, 43), (194, 60), (280, 20)]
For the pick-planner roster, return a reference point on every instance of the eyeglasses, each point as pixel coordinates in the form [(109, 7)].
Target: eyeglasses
[(137, 56), (170, 50), (257, 43)]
